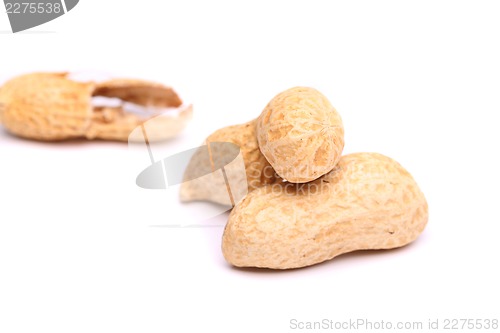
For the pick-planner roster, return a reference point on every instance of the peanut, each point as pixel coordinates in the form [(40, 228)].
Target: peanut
[(368, 201), (52, 107), (301, 134), (258, 170)]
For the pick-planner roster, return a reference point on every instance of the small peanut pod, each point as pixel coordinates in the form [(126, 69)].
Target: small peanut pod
[(301, 134), (367, 202), (52, 107), (258, 170)]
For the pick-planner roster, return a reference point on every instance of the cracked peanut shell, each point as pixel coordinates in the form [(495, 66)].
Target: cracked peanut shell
[(52, 107)]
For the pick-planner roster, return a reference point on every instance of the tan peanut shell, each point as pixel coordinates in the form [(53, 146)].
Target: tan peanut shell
[(368, 201), (301, 134), (258, 170), (52, 107)]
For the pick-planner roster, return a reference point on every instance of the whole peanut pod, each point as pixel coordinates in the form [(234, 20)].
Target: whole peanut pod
[(257, 169), (368, 201), (301, 134)]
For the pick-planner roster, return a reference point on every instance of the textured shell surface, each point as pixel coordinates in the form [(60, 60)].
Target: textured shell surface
[(258, 170), (368, 201), (53, 107), (301, 134), (46, 106)]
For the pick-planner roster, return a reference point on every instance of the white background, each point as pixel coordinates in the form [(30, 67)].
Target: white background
[(416, 80)]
